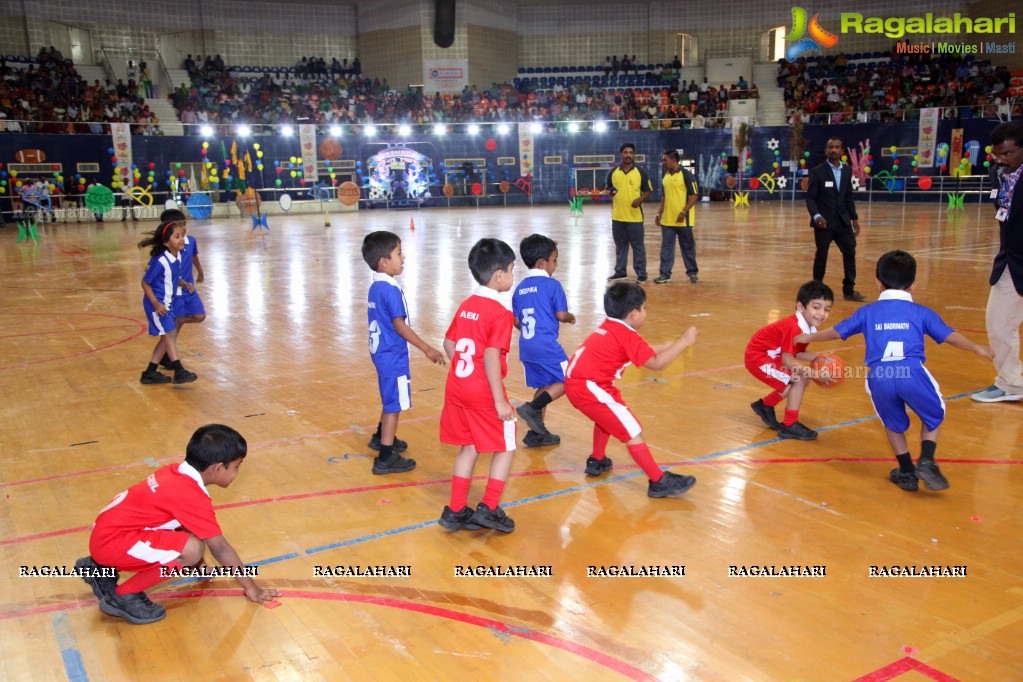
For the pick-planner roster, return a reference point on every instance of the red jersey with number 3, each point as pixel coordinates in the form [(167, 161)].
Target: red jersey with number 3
[(481, 322), (606, 353)]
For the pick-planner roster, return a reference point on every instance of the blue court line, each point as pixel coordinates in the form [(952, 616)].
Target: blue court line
[(74, 667), (551, 495)]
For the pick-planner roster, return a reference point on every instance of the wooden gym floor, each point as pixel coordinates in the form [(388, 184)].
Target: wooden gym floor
[(282, 357)]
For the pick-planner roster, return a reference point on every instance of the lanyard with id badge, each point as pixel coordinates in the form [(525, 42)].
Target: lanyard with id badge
[(1004, 199)]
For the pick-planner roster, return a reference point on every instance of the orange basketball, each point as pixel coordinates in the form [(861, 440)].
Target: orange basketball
[(348, 193), (330, 149), (830, 369)]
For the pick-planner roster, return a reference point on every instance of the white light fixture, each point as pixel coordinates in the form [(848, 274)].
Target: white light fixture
[(536, 128), (335, 131), (404, 129), (370, 131), (600, 127), (287, 131), (573, 127), (439, 129), (206, 131), (473, 129), (502, 129), (244, 130)]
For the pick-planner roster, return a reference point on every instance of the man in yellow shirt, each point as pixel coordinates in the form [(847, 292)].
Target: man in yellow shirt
[(676, 216), (629, 187)]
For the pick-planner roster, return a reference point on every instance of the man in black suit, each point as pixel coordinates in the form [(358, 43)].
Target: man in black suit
[(1005, 302), (833, 217)]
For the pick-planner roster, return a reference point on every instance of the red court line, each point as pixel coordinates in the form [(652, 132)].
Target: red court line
[(141, 330), (64, 331), (175, 458), (905, 665), (521, 474), (498, 627)]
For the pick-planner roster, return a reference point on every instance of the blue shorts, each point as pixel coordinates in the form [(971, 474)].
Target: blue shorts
[(538, 376), (395, 393), (188, 304), (894, 387), (159, 325)]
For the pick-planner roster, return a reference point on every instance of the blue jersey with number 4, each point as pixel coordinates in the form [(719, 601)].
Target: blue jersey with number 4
[(387, 348), (894, 328), (536, 302)]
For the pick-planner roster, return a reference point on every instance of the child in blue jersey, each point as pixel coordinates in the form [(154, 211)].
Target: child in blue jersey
[(894, 328), (539, 305), (162, 278), (389, 336), (189, 307)]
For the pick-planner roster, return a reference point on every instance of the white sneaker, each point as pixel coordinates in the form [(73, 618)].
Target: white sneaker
[(993, 394)]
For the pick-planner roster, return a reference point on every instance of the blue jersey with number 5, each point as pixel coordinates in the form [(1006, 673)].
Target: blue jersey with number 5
[(536, 302)]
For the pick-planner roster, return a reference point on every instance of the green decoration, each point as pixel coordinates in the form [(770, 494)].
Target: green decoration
[(27, 229), (955, 201), (575, 206), (100, 199)]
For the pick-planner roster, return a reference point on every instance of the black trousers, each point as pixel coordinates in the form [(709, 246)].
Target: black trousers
[(626, 235), (845, 239)]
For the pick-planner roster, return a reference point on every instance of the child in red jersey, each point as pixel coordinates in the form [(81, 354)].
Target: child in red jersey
[(773, 357), (477, 416), (140, 530), (589, 384)]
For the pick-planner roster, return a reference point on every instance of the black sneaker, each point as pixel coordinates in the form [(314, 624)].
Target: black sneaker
[(693, 279), (616, 276), (154, 377), (399, 445), (931, 474), (533, 417), (904, 479), (495, 519), (670, 484), (395, 465), (766, 414), (460, 520), (641, 280), (797, 431), (538, 440), (183, 376), (102, 586), (135, 608), (595, 467)]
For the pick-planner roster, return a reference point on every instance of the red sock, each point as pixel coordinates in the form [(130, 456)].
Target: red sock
[(492, 495), (143, 580), (641, 454), (773, 398), (600, 438), (459, 492), (791, 417)]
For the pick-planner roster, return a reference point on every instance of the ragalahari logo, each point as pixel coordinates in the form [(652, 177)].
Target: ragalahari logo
[(818, 38)]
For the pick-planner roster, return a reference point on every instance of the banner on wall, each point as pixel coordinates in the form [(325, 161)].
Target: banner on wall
[(928, 137), (307, 142), (525, 150), (445, 75), (956, 152), (121, 138)]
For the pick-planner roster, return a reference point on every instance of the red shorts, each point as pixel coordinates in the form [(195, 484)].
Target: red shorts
[(770, 371), (135, 551), (480, 428), (604, 406)]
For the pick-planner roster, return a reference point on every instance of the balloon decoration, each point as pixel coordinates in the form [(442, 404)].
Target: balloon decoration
[(925, 182), (199, 206), (100, 199)]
